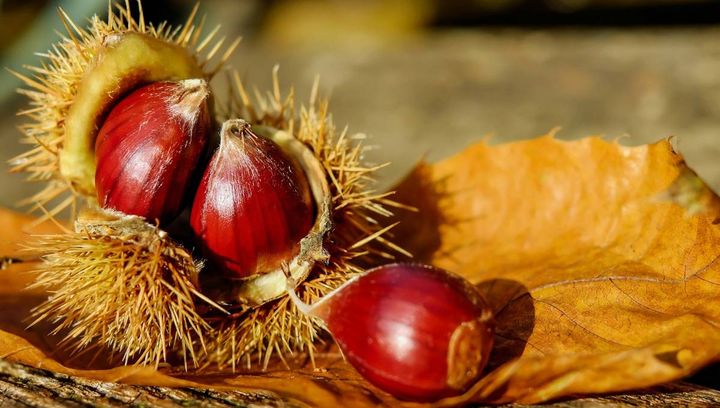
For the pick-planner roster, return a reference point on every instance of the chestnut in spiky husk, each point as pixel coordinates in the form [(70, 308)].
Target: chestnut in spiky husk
[(149, 147), (253, 205), (262, 208), (116, 280), (348, 232), (83, 77)]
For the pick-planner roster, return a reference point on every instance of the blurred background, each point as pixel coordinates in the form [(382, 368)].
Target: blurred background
[(425, 78)]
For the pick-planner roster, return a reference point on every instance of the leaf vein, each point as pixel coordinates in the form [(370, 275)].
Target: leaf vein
[(580, 326)]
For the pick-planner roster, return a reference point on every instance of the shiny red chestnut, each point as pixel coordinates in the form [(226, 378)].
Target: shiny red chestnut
[(418, 332), (149, 147), (253, 206)]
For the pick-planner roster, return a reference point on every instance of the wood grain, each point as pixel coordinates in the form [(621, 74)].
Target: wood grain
[(22, 386)]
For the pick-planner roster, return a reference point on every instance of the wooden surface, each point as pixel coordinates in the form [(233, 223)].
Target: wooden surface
[(22, 386)]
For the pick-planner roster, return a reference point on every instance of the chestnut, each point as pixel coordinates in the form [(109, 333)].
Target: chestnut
[(416, 331), (149, 146), (254, 204)]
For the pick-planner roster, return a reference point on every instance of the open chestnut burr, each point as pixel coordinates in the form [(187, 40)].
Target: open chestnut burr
[(122, 118)]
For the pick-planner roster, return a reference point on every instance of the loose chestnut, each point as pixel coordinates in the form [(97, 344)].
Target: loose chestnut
[(415, 331), (149, 147), (254, 204)]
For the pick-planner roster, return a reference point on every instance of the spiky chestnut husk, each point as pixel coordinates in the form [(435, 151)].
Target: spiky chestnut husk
[(120, 283), (149, 148), (76, 85), (357, 236), (80, 79), (276, 326)]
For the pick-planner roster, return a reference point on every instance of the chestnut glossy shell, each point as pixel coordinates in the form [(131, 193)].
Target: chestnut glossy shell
[(125, 61), (415, 331), (265, 285), (253, 206), (149, 147)]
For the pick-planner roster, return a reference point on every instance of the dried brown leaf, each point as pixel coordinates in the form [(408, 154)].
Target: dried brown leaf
[(601, 261)]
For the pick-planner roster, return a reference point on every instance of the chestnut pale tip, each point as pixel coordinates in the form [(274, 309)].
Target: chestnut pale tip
[(191, 94), (236, 127)]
